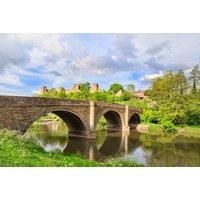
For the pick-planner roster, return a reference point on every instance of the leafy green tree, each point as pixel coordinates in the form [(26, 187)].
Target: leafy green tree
[(175, 105), (115, 87), (195, 78), (130, 88), (180, 82), (163, 87), (85, 87), (51, 93)]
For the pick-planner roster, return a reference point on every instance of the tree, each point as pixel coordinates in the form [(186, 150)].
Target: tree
[(51, 93), (115, 87), (61, 93), (130, 88), (163, 87), (195, 78), (85, 87), (180, 82)]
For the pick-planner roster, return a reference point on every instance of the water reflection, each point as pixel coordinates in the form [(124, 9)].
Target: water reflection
[(107, 144), (149, 150), (51, 136)]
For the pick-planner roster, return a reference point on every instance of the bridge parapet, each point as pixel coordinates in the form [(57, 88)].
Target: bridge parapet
[(18, 113)]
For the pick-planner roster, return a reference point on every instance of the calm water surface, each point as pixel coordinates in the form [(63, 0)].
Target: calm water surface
[(149, 150)]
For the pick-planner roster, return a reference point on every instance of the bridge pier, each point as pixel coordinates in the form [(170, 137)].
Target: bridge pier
[(92, 117), (126, 127)]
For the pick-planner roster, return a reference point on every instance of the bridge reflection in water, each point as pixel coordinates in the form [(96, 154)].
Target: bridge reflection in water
[(109, 144)]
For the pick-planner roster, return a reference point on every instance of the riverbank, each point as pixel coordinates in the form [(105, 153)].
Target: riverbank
[(17, 151), (157, 130)]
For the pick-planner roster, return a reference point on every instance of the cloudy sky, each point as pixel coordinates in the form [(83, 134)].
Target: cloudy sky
[(28, 61)]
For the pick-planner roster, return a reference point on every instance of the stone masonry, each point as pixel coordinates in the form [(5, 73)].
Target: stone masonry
[(18, 113)]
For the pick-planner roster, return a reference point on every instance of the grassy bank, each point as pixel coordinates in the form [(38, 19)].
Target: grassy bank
[(156, 129), (22, 152)]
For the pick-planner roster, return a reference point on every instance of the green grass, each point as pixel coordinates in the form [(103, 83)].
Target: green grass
[(159, 135), (156, 129), (17, 151)]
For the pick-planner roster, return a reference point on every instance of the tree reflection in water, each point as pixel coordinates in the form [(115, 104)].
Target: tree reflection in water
[(150, 150), (52, 136)]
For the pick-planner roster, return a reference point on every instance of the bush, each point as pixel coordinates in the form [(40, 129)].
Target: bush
[(168, 126), (179, 118), (193, 116), (151, 116)]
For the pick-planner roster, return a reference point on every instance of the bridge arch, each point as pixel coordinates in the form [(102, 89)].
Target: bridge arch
[(134, 120), (75, 123), (114, 119)]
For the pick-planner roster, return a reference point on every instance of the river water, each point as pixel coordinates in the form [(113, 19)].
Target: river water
[(149, 150)]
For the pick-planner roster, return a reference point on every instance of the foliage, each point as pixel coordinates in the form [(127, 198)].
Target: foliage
[(101, 125), (176, 104), (85, 87), (122, 162), (115, 87), (168, 126), (195, 78), (168, 86)]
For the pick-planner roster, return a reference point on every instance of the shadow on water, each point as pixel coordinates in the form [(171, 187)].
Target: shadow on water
[(149, 150), (112, 145)]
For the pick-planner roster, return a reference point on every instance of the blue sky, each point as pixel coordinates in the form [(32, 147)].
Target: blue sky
[(28, 61)]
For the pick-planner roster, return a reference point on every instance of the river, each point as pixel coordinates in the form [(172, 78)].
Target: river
[(149, 150)]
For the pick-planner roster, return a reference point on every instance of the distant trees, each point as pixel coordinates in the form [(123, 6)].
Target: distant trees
[(85, 94), (115, 87), (162, 87), (85, 87), (178, 101), (130, 88), (172, 84), (195, 78), (169, 85), (181, 84)]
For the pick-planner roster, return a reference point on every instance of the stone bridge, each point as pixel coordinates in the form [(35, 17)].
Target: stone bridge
[(18, 113)]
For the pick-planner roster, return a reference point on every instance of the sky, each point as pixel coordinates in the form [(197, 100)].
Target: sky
[(28, 61)]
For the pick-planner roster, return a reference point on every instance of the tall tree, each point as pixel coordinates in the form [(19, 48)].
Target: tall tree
[(180, 82), (163, 87), (195, 78)]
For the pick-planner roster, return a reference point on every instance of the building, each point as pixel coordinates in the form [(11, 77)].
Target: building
[(140, 94), (76, 87), (94, 88), (43, 90)]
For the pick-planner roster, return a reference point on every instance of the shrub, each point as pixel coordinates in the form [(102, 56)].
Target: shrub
[(151, 116), (168, 126), (193, 117)]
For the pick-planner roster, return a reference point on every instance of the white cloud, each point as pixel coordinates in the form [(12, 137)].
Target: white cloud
[(58, 59), (149, 77), (8, 78)]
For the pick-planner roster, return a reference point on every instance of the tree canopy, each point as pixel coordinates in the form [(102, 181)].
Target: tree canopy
[(195, 78), (115, 87), (85, 87)]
